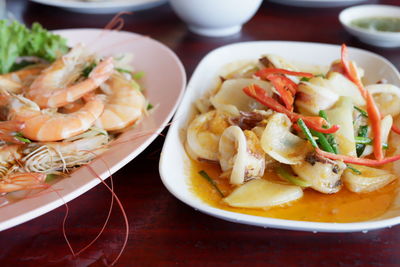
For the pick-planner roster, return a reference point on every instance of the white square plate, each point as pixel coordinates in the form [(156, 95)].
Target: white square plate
[(174, 162)]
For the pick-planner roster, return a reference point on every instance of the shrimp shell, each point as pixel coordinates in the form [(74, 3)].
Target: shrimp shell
[(53, 89), (124, 105), (43, 125)]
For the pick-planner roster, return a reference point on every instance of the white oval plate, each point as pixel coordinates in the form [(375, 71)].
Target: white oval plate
[(175, 175), (164, 82), (102, 7), (318, 3)]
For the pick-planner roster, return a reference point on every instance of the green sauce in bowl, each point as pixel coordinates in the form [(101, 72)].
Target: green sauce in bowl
[(382, 24)]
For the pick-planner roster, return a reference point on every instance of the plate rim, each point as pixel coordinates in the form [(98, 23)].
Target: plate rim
[(318, 3), (100, 7), (59, 201), (260, 221)]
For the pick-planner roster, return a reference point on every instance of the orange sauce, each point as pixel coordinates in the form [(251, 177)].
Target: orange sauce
[(344, 206)]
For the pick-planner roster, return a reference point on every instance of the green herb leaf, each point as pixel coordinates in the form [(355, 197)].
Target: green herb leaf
[(138, 75), (323, 141), (305, 79), (362, 132), (149, 106), (362, 112), (86, 71), (284, 174), (21, 138), (124, 71), (353, 169), (363, 140), (50, 177), (211, 181), (330, 137), (307, 132)]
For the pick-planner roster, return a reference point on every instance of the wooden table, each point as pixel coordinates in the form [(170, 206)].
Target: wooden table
[(164, 231)]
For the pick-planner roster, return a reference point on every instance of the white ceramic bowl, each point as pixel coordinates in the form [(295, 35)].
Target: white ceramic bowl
[(215, 17), (383, 39), (174, 162)]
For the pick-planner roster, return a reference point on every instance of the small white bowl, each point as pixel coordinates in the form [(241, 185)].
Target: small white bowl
[(377, 38), (215, 17)]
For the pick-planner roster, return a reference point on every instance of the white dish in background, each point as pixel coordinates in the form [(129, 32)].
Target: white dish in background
[(102, 7), (377, 38), (318, 3), (164, 82), (175, 176), (204, 17)]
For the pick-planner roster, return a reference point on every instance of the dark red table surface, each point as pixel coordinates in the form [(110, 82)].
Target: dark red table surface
[(164, 231)]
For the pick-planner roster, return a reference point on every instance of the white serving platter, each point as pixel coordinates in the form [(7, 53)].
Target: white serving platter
[(164, 82), (102, 7), (175, 176)]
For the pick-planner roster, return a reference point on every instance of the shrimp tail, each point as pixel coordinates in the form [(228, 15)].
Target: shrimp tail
[(22, 181)]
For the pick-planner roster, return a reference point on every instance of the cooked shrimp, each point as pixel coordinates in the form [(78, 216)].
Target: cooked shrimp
[(125, 103), (45, 125), (9, 85), (54, 88), (9, 154), (14, 82), (22, 181), (9, 129)]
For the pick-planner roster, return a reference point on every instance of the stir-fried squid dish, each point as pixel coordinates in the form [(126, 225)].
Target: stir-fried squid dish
[(270, 132), (60, 113)]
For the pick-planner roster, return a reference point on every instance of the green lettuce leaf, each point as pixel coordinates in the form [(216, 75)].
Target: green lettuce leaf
[(16, 40)]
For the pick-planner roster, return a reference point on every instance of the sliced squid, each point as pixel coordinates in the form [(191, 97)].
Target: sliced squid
[(231, 98), (323, 174), (314, 96), (387, 97), (320, 93), (261, 193), (280, 144), (342, 86), (369, 180), (342, 115), (240, 155), (203, 134)]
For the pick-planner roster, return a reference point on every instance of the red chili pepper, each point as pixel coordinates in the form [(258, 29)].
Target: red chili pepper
[(315, 123), (357, 161), (344, 59), (285, 87), (372, 108), (283, 81), (395, 129), (265, 72)]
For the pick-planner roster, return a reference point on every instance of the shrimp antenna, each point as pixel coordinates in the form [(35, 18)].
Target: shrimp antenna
[(117, 23)]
